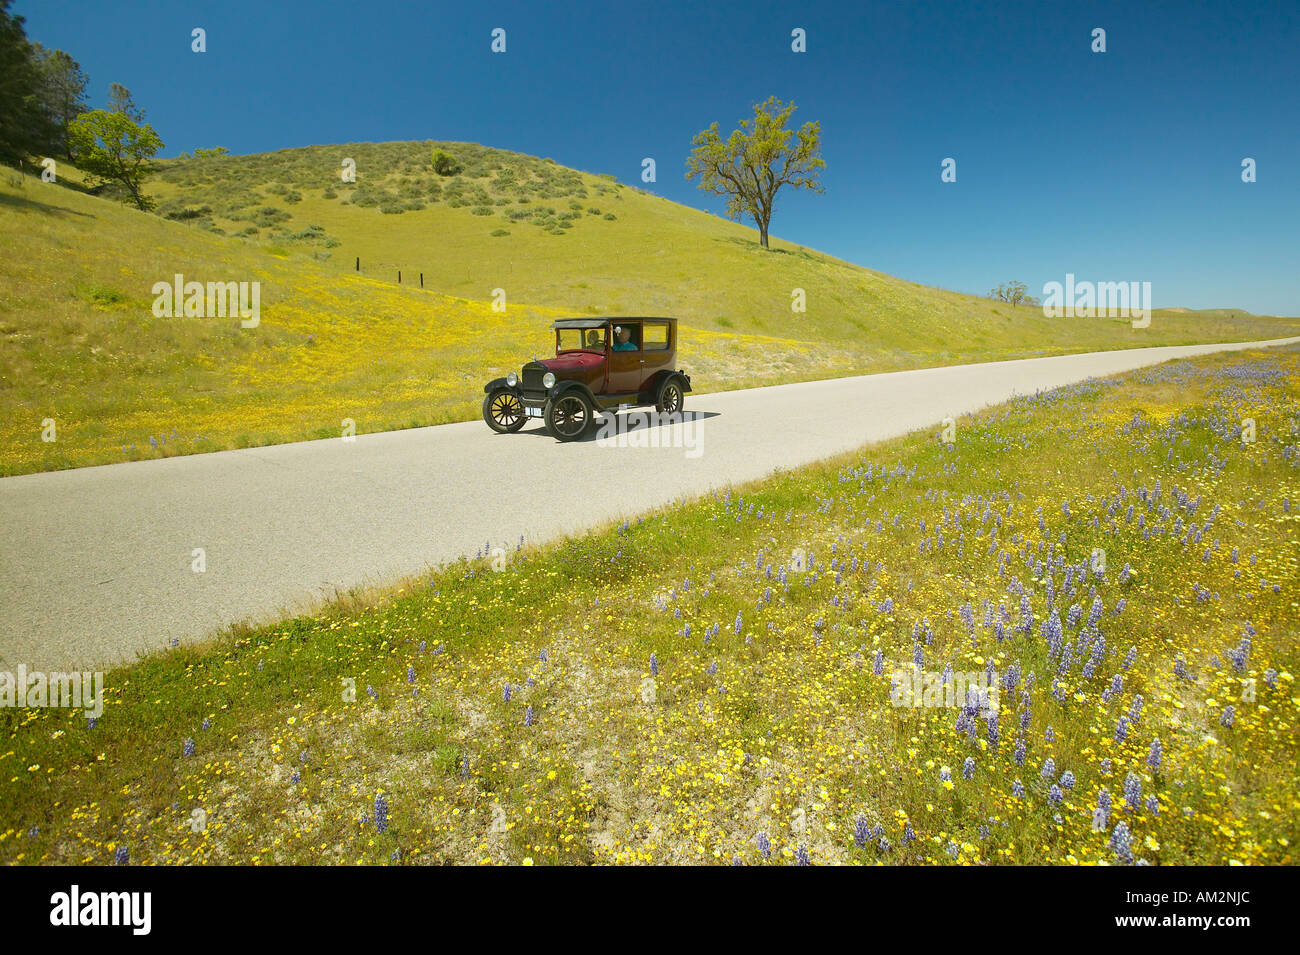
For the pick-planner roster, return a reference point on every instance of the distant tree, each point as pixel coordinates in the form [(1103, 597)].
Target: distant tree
[(444, 164), (756, 160), (112, 147), (121, 101), (211, 153), (1013, 293), (24, 127), (62, 93)]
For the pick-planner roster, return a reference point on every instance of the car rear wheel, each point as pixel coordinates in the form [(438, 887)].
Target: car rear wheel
[(569, 416), (671, 398), (503, 411)]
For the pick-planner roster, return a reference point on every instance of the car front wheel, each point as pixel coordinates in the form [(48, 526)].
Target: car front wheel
[(671, 398), (569, 416), (503, 411)]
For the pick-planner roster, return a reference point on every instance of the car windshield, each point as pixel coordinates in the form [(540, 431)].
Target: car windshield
[(581, 339)]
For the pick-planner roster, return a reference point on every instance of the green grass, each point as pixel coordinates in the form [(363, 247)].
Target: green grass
[(780, 722)]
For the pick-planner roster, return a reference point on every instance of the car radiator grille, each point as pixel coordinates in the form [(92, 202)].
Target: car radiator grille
[(531, 379)]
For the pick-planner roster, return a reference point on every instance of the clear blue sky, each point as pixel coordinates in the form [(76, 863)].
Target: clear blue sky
[(1122, 166)]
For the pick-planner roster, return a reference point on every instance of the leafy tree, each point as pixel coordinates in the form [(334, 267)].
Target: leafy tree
[(111, 146), (444, 164), (756, 160), (62, 93), (24, 127), (1014, 293)]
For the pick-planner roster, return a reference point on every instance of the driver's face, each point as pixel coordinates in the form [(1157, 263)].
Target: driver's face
[(623, 336)]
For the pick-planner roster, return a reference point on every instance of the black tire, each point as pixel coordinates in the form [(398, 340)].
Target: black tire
[(569, 416), (671, 398), (503, 411)]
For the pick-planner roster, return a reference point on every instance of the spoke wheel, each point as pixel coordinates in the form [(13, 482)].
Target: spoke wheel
[(671, 399), (568, 417), (503, 411)]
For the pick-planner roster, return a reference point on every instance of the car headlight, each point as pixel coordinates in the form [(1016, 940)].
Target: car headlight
[(512, 379), (548, 379)]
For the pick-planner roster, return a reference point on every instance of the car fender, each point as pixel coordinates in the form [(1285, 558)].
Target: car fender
[(661, 382), (500, 384), (564, 387)]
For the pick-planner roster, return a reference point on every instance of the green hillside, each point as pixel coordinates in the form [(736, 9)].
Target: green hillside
[(80, 347), (587, 243)]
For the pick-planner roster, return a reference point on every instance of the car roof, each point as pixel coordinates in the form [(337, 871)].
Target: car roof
[(602, 322)]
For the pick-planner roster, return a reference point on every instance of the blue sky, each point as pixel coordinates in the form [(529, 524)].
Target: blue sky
[(1122, 166)]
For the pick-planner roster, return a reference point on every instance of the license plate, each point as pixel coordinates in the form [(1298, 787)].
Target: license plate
[(532, 412)]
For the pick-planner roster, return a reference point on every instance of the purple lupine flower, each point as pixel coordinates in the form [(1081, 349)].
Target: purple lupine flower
[(908, 833), (878, 663), (207, 723), (1153, 757), (381, 813), (1020, 751), (654, 665), (1054, 795), (506, 692), (1105, 766), (1135, 711), (801, 856), (1121, 729), (1049, 768), (968, 768), (1018, 789), (528, 716), (1153, 805), (1132, 791), (1067, 779), (764, 845), (861, 831), (410, 674), (121, 856), (188, 747), (1122, 843), (1228, 715), (738, 623)]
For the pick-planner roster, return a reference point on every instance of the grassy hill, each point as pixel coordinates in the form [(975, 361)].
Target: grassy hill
[(79, 345)]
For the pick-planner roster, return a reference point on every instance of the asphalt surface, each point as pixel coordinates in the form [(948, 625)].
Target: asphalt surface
[(96, 563)]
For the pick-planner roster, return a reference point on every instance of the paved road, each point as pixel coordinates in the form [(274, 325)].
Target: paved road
[(95, 563)]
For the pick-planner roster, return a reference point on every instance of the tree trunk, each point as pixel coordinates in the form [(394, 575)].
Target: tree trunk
[(762, 233)]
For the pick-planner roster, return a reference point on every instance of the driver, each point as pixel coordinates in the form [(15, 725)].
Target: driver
[(595, 340), (622, 340)]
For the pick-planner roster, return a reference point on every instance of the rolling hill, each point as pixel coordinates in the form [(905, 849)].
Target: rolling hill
[(79, 345)]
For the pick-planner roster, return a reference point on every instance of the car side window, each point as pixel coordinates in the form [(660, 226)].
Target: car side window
[(655, 336)]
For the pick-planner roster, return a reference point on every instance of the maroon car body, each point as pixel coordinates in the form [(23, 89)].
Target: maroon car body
[(599, 364)]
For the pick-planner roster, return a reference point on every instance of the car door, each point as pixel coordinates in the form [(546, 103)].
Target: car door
[(625, 365), (656, 349)]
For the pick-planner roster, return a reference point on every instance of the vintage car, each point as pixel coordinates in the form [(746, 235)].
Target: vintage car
[(599, 364)]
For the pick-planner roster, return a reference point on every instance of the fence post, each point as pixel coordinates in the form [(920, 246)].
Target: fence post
[(358, 263), (421, 280), (399, 276)]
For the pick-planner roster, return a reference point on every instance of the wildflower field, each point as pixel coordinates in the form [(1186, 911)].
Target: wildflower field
[(715, 682)]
